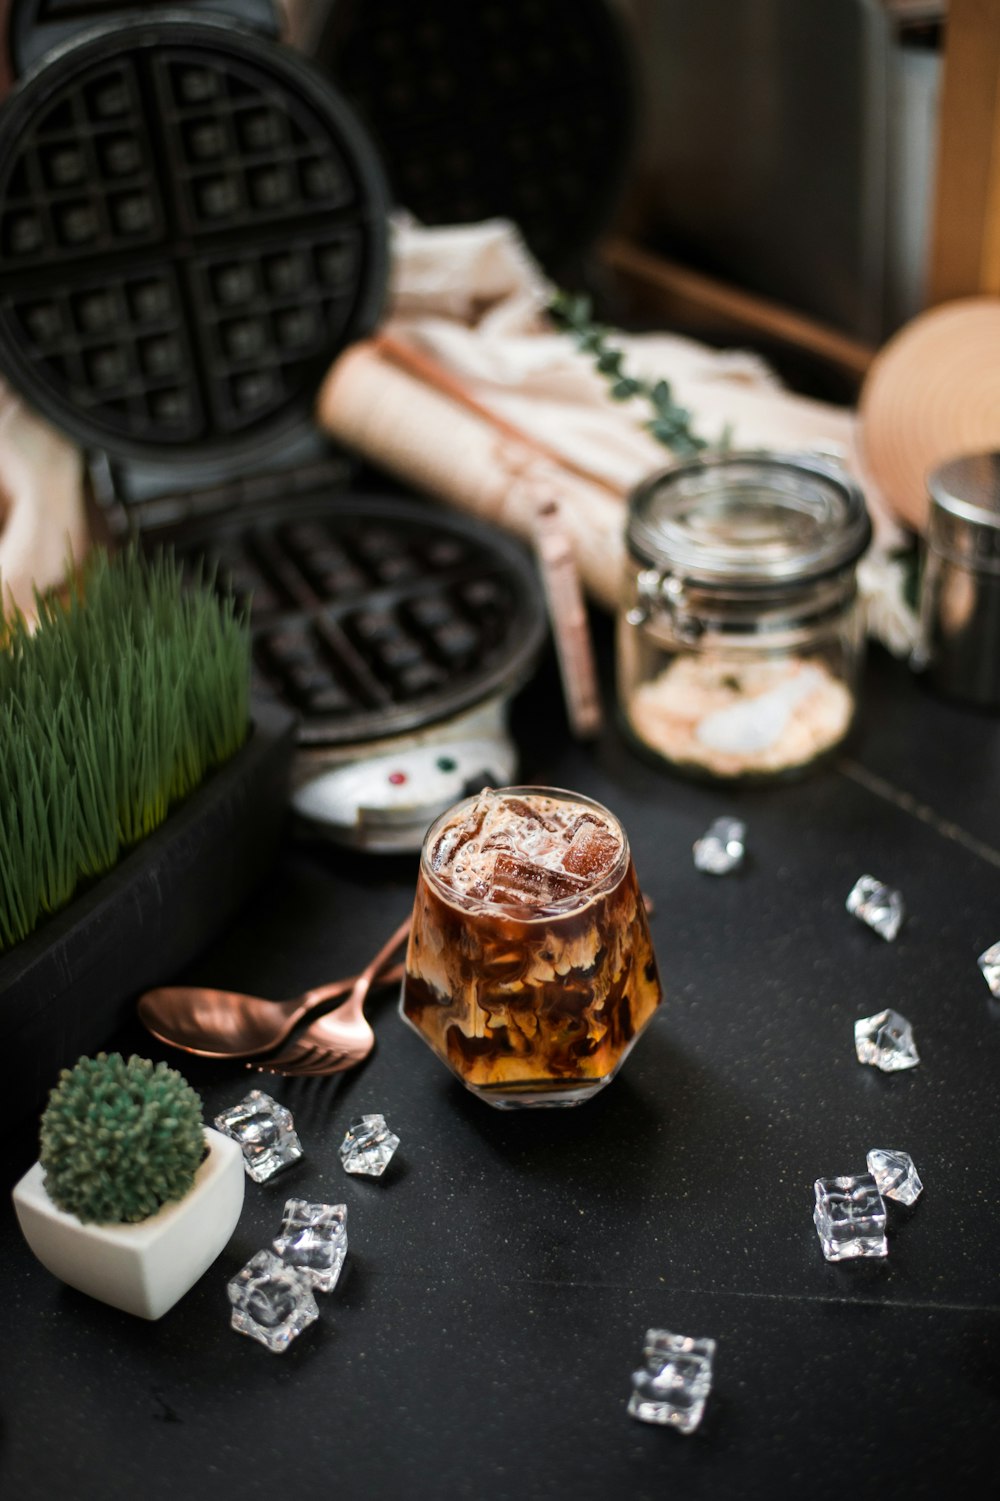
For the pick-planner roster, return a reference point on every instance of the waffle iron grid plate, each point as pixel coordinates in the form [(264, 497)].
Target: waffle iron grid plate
[(192, 225), (523, 108), (375, 617)]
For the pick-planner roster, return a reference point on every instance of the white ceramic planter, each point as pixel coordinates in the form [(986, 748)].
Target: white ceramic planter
[(141, 1268)]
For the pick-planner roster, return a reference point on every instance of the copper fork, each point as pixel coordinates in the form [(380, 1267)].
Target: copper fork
[(341, 1038)]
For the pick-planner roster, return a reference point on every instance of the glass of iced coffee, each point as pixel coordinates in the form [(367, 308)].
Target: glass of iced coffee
[(530, 970)]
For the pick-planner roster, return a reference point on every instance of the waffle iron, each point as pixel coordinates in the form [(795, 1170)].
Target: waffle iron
[(192, 226), (522, 108)]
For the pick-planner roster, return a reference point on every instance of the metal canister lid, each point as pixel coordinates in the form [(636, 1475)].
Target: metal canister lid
[(965, 511), (749, 520)]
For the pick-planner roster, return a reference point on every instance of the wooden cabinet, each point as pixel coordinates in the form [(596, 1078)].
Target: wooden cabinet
[(965, 245)]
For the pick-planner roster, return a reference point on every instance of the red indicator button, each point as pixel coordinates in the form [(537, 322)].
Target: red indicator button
[(397, 778)]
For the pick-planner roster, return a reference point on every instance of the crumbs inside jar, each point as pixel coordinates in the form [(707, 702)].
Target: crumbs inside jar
[(732, 718)]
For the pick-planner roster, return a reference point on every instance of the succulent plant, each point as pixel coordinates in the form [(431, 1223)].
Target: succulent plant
[(120, 1139)]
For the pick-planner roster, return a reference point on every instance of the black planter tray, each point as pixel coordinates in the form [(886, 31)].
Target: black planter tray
[(69, 985)]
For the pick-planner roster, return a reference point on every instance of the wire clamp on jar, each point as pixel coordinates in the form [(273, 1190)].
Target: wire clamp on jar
[(665, 594)]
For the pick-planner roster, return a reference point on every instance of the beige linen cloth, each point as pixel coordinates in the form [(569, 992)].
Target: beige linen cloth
[(528, 415), (42, 519)]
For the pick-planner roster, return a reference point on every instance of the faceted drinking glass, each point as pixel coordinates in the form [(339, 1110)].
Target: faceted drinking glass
[(530, 970)]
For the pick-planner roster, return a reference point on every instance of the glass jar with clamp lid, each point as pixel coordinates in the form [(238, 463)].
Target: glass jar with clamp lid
[(739, 639)]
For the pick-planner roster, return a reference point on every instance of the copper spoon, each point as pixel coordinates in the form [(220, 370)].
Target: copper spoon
[(226, 1024), (338, 1039)]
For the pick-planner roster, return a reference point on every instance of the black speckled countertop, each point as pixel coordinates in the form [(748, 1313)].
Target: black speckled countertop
[(503, 1273)]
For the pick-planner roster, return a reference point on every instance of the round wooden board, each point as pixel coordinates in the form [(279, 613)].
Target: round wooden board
[(931, 394)]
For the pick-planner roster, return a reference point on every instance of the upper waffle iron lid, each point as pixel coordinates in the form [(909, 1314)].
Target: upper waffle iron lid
[(192, 226), (521, 108)]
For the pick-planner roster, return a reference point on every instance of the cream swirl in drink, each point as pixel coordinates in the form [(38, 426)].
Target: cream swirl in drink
[(530, 969)]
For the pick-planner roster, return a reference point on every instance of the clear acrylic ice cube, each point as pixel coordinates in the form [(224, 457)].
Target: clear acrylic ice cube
[(272, 1302), (313, 1238), (674, 1380), (368, 1146), (722, 848), (850, 1217), (895, 1175), (885, 1040), (989, 963), (878, 906), (266, 1133)]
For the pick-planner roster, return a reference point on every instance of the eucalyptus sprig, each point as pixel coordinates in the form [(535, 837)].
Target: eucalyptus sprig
[(670, 423)]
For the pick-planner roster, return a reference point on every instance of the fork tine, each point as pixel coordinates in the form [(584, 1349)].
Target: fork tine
[(310, 1073), (280, 1065), (331, 1063), (302, 1056), (308, 1059), (323, 1062), (291, 1071), (266, 1066)]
